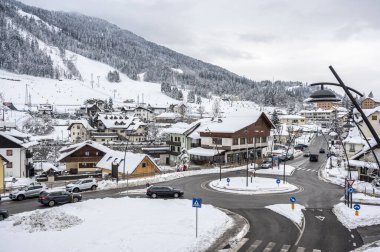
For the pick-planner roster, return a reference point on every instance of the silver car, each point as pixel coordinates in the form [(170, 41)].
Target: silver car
[(266, 164), (27, 192)]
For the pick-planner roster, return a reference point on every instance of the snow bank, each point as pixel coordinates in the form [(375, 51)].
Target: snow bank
[(258, 186), (368, 215), (277, 171), (123, 224), (295, 215)]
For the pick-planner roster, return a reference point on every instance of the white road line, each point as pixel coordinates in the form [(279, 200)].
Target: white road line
[(354, 244), (285, 248), (316, 250), (308, 169), (255, 245), (352, 236), (269, 247), (300, 249)]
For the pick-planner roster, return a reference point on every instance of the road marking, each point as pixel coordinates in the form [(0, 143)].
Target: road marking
[(308, 169), (269, 247), (300, 249), (285, 248), (321, 218), (352, 236), (354, 244), (239, 245), (255, 245), (316, 250)]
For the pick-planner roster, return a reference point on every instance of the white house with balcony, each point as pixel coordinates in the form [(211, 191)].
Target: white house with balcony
[(373, 116)]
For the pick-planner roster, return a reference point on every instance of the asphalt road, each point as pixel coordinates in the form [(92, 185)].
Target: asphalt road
[(269, 231)]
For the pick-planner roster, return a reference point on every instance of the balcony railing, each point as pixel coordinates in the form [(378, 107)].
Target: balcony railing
[(173, 143)]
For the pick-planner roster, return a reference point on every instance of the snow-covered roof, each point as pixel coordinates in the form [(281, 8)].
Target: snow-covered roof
[(291, 117), (117, 157), (83, 122), (169, 115), (363, 164), (118, 121), (354, 137), (199, 151), (68, 150), (46, 166), (7, 124), (178, 128), (234, 122), (18, 138), (366, 148), (368, 112)]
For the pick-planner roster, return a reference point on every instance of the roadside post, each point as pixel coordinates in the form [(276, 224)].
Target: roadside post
[(278, 181), (197, 203), (228, 181), (357, 208), (350, 190), (292, 200), (251, 177)]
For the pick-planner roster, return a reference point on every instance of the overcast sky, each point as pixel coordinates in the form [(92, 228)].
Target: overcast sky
[(280, 40)]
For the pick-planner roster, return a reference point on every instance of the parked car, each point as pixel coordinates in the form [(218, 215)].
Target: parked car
[(266, 164), (321, 150), (300, 146), (82, 184), (313, 158), (58, 197), (284, 157), (3, 214), (29, 191), (306, 154), (163, 191)]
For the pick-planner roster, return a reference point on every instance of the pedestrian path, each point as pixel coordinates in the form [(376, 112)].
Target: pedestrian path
[(261, 246)]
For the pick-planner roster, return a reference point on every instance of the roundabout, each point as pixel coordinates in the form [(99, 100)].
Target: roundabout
[(255, 186)]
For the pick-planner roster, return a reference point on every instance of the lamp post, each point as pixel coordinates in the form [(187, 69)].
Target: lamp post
[(290, 140), (217, 150), (125, 154), (246, 143)]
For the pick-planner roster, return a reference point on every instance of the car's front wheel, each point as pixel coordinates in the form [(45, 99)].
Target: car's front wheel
[(93, 187), (75, 200), (76, 190), (154, 195), (176, 195), (20, 197), (51, 203)]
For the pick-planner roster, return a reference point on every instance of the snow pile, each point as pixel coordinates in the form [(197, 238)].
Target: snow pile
[(368, 215), (108, 184), (122, 224), (258, 186), (294, 215), (277, 170), (53, 220), (365, 199)]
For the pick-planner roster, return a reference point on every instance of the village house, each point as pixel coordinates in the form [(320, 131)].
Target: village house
[(3, 163), (136, 164), (369, 103), (16, 147), (168, 117), (373, 116), (80, 131), (145, 114), (292, 119), (82, 157), (45, 109)]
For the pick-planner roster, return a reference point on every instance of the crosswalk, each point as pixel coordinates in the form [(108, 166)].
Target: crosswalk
[(306, 169), (272, 246)]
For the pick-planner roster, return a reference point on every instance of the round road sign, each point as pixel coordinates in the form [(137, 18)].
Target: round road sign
[(292, 199), (350, 190), (357, 207), (278, 181), (228, 180)]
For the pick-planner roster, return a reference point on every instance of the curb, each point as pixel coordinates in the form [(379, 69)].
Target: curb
[(232, 236)]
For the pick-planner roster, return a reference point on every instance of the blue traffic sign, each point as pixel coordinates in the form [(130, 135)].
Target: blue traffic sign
[(278, 181), (228, 180), (292, 199), (350, 190), (197, 202), (275, 158), (357, 207)]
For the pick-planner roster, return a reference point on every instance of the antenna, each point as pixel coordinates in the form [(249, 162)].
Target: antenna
[(92, 80), (138, 99), (98, 80), (142, 98), (26, 94)]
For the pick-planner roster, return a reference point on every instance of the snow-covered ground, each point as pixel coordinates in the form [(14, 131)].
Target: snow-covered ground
[(275, 170), (286, 210), (363, 198), (259, 185), (115, 225), (368, 215)]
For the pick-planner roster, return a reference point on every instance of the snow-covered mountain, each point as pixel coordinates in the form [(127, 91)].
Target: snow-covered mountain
[(50, 44)]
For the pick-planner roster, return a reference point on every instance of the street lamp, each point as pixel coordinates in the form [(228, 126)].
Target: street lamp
[(125, 153), (246, 143), (216, 146), (290, 141)]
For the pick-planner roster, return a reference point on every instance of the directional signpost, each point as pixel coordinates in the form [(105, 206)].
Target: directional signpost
[(292, 200), (197, 203), (228, 181), (357, 208), (278, 182)]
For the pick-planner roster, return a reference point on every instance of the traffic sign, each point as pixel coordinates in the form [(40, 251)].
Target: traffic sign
[(350, 182), (278, 181), (350, 190), (357, 207), (292, 199), (275, 157), (197, 202)]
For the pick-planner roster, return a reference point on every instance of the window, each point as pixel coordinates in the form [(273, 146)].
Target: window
[(263, 139), (143, 165), (242, 140), (78, 127), (235, 141), (250, 140), (352, 148), (73, 133), (374, 117), (10, 165), (87, 153), (9, 152), (217, 141), (257, 139)]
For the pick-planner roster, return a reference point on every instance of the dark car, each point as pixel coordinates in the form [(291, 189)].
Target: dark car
[(313, 158), (321, 150), (3, 214), (163, 191), (58, 197)]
